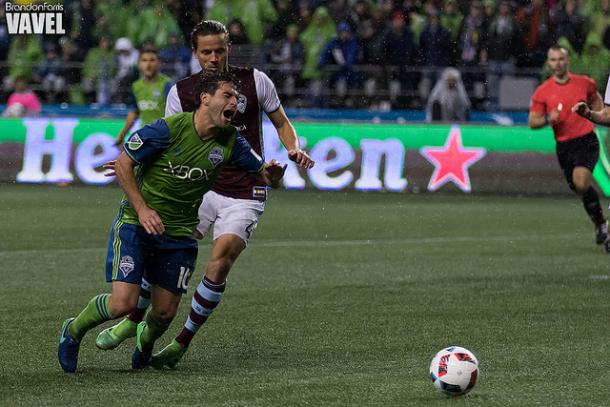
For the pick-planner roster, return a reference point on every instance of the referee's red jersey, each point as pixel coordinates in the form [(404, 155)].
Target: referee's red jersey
[(551, 94)]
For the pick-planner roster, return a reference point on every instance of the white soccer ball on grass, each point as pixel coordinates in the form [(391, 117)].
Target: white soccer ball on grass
[(454, 371)]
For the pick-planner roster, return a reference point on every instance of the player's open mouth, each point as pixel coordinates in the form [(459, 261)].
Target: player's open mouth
[(228, 114)]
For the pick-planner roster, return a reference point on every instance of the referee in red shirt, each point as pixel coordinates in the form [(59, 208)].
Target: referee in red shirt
[(577, 145)]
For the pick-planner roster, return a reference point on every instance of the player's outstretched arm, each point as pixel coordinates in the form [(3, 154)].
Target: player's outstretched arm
[(147, 217), (288, 136)]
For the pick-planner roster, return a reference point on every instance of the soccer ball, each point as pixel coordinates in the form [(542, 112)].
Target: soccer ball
[(454, 371)]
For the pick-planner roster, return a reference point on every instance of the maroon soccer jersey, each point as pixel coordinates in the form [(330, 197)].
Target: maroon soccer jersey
[(551, 94), (232, 181)]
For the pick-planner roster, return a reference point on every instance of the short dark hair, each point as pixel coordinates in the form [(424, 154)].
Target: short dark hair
[(208, 27), (210, 82), (149, 50), (557, 47)]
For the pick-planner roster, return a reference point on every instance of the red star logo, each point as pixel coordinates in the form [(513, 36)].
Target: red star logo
[(451, 161)]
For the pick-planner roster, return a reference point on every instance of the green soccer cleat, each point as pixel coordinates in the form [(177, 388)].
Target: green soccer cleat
[(112, 337), (169, 356), (140, 358)]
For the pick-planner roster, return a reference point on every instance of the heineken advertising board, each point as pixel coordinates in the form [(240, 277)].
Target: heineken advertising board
[(365, 157)]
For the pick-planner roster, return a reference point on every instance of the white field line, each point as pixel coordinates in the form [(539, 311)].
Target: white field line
[(334, 243)]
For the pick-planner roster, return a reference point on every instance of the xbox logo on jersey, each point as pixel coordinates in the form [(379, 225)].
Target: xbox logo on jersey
[(148, 104), (185, 172), (34, 18)]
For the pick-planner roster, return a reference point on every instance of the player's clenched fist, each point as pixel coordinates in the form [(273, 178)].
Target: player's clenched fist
[(582, 109)]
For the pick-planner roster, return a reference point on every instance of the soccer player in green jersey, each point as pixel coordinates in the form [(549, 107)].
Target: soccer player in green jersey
[(148, 94), (231, 210), (164, 171)]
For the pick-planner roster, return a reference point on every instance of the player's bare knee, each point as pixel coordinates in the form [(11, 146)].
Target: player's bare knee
[(165, 314), (121, 306), (581, 186), (580, 190)]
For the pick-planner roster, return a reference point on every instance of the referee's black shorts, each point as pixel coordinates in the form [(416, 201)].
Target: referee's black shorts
[(580, 152)]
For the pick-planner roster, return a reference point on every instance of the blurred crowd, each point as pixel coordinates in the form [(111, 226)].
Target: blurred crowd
[(337, 53)]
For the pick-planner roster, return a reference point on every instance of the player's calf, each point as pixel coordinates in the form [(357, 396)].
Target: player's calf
[(147, 333), (112, 337)]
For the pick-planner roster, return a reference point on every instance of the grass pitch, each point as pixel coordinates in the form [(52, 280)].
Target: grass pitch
[(341, 299)]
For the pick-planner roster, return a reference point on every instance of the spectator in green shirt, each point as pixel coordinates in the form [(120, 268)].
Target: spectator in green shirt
[(594, 61), (254, 14), (98, 72), (151, 23), (24, 53), (315, 37), (113, 18), (451, 18), (317, 34)]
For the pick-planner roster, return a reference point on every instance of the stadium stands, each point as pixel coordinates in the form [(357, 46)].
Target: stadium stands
[(399, 48)]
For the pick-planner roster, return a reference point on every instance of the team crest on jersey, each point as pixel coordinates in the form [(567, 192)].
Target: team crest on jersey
[(126, 265), (156, 93), (134, 142), (216, 156), (242, 101)]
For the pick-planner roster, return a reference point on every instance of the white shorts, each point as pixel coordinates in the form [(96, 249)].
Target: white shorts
[(228, 215)]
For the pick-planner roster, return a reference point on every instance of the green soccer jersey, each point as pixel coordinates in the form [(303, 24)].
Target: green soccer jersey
[(176, 167), (149, 98)]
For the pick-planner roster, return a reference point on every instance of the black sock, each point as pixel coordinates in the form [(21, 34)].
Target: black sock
[(590, 200)]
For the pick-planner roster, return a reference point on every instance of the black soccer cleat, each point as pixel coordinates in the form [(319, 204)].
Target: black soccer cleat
[(606, 246), (601, 233)]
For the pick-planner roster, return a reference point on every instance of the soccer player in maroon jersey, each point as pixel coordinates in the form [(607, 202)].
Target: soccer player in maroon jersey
[(577, 145), (235, 203)]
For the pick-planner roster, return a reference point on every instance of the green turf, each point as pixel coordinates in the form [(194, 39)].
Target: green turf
[(341, 299)]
